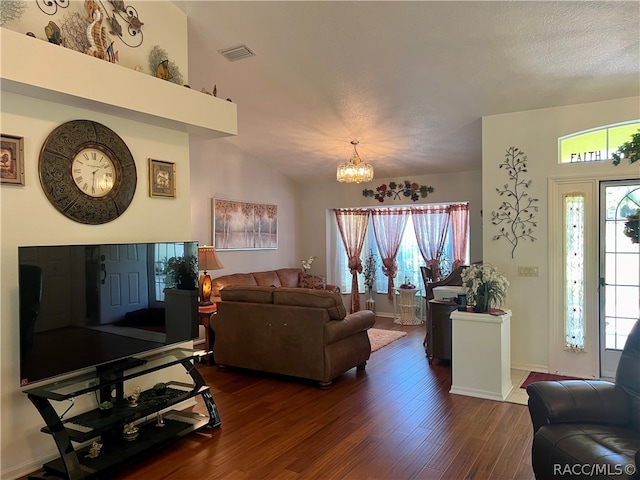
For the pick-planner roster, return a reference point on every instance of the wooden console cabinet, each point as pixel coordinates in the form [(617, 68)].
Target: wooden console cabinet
[(153, 431), (438, 338)]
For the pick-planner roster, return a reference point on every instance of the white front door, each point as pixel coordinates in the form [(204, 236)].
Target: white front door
[(123, 280), (619, 271)]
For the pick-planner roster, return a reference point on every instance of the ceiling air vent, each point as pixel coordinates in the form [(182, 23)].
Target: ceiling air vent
[(236, 53)]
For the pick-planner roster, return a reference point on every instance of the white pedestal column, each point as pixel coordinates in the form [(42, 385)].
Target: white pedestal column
[(481, 355)]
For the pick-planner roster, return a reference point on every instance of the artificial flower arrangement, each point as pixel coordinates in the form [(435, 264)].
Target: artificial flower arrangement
[(486, 287), (407, 285), (306, 264)]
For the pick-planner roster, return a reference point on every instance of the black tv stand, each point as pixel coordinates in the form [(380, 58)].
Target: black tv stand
[(153, 431), (111, 375)]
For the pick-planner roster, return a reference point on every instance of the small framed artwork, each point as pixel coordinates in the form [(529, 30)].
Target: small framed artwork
[(12, 160), (162, 179)]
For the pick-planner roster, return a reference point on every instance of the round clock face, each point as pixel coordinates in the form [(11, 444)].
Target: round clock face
[(87, 172), (93, 172)]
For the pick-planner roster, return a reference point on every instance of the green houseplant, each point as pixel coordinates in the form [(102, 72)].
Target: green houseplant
[(182, 272), (629, 150), (106, 408), (160, 388)]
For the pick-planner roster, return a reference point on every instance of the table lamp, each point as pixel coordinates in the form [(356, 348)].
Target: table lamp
[(207, 260)]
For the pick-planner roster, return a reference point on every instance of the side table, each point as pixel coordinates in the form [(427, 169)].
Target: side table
[(205, 312), (405, 307)]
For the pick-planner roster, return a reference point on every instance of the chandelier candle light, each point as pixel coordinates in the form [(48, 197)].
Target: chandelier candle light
[(355, 170), (207, 260)]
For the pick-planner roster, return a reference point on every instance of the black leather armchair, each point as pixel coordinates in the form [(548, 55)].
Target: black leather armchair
[(589, 429)]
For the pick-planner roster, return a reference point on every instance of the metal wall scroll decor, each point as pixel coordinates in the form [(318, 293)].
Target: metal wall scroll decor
[(516, 215), (398, 191)]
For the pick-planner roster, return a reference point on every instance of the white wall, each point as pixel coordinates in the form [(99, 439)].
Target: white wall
[(27, 218), (536, 132), (220, 170)]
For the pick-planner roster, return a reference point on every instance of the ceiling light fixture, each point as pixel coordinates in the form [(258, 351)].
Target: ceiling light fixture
[(355, 170)]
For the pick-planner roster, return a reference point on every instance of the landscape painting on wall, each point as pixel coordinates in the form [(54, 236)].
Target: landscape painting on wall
[(244, 225)]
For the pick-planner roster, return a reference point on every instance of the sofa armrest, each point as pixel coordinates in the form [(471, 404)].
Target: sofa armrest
[(577, 401), (332, 288), (353, 323)]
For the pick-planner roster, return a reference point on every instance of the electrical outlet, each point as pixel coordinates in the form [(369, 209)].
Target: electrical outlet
[(527, 271)]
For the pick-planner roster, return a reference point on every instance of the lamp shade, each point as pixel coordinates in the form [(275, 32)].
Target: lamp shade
[(208, 259)]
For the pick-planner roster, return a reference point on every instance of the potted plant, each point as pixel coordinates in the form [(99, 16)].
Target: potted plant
[(182, 272), (160, 388), (629, 150), (106, 408), (486, 287)]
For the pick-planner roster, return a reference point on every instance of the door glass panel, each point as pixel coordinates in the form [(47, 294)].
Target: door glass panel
[(621, 271)]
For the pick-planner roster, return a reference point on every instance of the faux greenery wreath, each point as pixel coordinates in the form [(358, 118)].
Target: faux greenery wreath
[(629, 150), (632, 226)]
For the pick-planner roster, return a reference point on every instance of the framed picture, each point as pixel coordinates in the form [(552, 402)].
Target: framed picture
[(162, 179), (244, 225), (12, 160)]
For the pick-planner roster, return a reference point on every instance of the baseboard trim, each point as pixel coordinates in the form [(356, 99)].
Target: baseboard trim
[(470, 392), (532, 367)]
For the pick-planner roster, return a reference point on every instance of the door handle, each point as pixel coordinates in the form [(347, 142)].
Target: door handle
[(103, 269)]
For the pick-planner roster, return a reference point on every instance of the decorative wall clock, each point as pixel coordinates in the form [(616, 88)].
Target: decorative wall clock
[(87, 172)]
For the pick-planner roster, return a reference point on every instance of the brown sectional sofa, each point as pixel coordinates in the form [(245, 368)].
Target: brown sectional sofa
[(298, 332), (283, 277)]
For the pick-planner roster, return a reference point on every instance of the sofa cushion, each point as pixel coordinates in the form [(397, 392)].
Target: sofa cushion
[(306, 280), (306, 297), (288, 276), (219, 283), (247, 293), (269, 278)]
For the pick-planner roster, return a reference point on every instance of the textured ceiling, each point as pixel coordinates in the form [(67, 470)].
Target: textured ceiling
[(409, 80)]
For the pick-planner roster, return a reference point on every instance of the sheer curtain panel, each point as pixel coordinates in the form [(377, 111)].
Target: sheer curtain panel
[(352, 224), (431, 224), (388, 227)]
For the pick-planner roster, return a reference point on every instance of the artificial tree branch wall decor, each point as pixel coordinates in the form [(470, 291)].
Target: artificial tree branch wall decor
[(517, 213), (396, 191)]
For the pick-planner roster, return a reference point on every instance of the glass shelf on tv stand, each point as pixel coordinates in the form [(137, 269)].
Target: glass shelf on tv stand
[(89, 382)]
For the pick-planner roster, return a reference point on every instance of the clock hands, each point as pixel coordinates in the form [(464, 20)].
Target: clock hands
[(93, 184)]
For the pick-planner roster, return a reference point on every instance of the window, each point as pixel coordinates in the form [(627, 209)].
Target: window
[(574, 271), (409, 259), (595, 145), (162, 252)]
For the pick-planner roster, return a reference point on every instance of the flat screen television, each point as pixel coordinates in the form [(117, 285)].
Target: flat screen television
[(95, 305)]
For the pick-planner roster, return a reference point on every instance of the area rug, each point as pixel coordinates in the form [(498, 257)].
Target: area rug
[(381, 338), (544, 377)]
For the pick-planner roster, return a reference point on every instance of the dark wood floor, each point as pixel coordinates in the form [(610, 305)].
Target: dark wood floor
[(396, 420)]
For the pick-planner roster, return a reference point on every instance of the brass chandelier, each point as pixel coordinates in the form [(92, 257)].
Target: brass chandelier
[(355, 170)]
